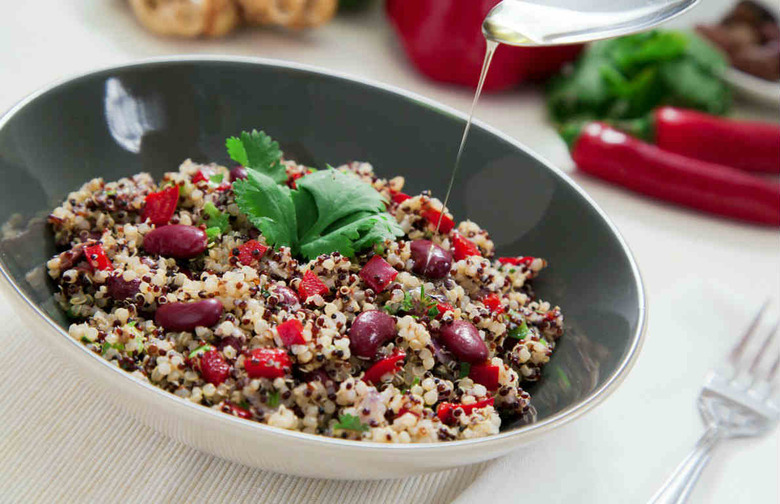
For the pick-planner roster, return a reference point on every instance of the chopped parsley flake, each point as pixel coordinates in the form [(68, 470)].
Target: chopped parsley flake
[(200, 349), (273, 398), (465, 369), (350, 422)]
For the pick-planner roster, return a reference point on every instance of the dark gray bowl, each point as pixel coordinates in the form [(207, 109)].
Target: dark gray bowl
[(152, 115)]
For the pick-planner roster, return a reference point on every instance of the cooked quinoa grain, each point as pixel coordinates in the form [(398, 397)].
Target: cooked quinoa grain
[(229, 322)]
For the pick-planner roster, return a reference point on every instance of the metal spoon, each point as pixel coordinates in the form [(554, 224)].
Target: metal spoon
[(546, 22)]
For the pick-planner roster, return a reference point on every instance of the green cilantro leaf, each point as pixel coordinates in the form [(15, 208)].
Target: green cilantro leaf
[(217, 219), (465, 369), (213, 233), (328, 211), (217, 178), (258, 151), (269, 207), (350, 422)]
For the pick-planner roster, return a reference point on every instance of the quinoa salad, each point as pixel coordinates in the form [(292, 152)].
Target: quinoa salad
[(324, 301)]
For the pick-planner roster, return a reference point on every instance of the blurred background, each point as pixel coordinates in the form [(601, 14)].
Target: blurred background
[(49, 40)]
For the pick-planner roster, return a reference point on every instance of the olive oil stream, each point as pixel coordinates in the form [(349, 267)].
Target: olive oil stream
[(489, 51)]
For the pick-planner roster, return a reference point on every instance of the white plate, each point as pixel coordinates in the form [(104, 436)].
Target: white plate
[(762, 90)]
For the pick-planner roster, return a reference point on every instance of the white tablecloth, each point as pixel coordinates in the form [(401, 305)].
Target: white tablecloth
[(59, 444)]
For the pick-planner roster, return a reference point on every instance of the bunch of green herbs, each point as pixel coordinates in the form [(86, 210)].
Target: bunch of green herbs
[(627, 77), (328, 211)]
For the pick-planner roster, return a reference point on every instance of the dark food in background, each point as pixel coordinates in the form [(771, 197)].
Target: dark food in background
[(750, 37)]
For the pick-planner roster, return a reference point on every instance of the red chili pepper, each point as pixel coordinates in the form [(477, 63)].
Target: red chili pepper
[(291, 332), (378, 274), (251, 252), (516, 260), (160, 206), (311, 285), (232, 409), (747, 145), (432, 216), (463, 247), (213, 367), (443, 39), (493, 303), (607, 153), (400, 197), (386, 366), (267, 363), (445, 409), (97, 259), (485, 374)]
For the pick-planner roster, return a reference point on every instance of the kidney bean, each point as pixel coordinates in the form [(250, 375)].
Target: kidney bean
[(228, 341), (178, 240), (188, 316), (120, 289), (237, 173), (369, 330), (286, 296), (462, 339), (439, 263)]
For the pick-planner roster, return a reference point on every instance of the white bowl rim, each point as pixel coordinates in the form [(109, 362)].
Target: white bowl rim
[(561, 418)]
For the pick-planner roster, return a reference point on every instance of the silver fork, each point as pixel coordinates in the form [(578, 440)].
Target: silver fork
[(737, 400)]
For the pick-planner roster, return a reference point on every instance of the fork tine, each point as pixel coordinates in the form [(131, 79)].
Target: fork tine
[(739, 348), (773, 370), (763, 348)]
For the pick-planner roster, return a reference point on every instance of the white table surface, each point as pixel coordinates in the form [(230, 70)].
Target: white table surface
[(626, 447)]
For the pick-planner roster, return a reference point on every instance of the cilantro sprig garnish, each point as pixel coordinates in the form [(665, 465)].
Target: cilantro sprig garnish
[(329, 211), (258, 151), (350, 422)]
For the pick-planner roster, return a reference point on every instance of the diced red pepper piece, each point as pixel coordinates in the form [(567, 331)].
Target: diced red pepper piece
[(485, 374), (291, 332), (515, 261), (251, 252), (378, 273), (213, 367), (267, 363), (199, 177), (404, 410), (311, 285), (432, 216), (387, 366), (493, 303), (160, 206), (443, 307), (292, 178), (97, 259), (445, 409), (400, 197), (224, 186), (463, 247), (232, 409)]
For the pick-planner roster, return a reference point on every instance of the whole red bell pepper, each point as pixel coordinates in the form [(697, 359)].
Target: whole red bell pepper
[(444, 40)]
